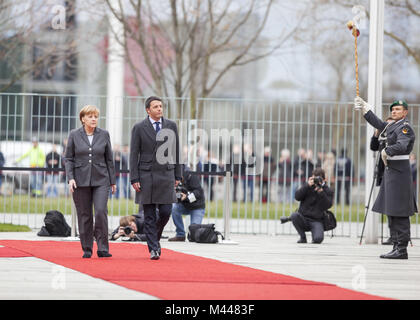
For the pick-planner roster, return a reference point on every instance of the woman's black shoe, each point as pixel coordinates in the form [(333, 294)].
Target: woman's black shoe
[(104, 254)]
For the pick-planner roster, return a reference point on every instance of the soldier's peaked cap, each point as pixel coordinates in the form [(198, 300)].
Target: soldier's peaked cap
[(399, 103)]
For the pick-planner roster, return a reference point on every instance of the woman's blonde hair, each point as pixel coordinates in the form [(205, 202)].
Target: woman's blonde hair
[(126, 220), (89, 109)]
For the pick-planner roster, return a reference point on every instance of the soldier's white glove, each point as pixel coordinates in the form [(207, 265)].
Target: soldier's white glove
[(360, 104), (384, 157)]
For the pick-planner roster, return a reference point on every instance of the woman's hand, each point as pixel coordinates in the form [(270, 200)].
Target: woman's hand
[(72, 185)]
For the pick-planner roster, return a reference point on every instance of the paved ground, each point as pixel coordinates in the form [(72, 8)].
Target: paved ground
[(339, 260)]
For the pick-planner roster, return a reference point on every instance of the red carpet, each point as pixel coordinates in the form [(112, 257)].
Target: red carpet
[(179, 276), (6, 252)]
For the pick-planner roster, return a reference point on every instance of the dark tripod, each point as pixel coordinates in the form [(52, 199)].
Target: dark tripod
[(375, 177)]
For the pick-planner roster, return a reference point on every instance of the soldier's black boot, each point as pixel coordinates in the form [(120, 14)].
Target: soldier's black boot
[(394, 241), (400, 252), (394, 247)]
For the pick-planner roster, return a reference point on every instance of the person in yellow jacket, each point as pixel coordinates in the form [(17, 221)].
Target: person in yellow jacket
[(36, 160)]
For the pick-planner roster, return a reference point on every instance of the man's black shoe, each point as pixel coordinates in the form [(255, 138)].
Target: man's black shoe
[(284, 219), (154, 255), (104, 254), (395, 254), (302, 240), (87, 255)]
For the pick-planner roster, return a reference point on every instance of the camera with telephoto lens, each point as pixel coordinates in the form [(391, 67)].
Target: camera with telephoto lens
[(127, 230), (318, 181), (179, 190)]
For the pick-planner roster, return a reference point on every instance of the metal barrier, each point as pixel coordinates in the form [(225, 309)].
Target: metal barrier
[(73, 219), (214, 134)]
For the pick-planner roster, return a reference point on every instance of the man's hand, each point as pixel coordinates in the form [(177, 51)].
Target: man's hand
[(384, 157), (311, 181), (177, 182), (72, 185), (136, 186), (360, 104), (183, 196), (113, 188), (119, 234)]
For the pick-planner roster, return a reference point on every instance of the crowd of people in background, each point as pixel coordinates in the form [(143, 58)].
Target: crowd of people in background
[(47, 182), (289, 172), (283, 176)]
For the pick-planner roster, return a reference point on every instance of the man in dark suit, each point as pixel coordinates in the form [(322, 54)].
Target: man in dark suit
[(155, 170)]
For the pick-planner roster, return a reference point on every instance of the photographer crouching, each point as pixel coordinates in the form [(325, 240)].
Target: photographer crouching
[(315, 198), (130, 227), (191, 201)]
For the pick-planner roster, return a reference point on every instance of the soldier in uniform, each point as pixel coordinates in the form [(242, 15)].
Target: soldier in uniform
[(396, 194)]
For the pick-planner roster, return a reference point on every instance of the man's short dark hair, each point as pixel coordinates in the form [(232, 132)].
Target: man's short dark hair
[(149, 101), (319, 172)]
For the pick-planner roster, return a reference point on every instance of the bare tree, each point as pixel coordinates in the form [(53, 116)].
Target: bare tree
[(397, 11), (189, 46), (325, 32), (25, 49)]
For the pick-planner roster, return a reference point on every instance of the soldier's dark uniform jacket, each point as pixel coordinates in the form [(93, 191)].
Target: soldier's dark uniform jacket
[(396, 194)]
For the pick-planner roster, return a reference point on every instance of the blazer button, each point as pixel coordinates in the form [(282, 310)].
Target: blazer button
[(90, 160), (90, 154), (90, 149)]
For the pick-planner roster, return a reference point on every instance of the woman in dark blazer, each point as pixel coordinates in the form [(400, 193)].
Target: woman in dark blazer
[(91, 174)]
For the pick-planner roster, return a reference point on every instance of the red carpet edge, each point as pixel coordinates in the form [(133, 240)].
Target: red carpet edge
[(180, 276)]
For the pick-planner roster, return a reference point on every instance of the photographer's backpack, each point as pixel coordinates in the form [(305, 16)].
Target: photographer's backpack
[(330, 222), (203, 233), (55, 225)]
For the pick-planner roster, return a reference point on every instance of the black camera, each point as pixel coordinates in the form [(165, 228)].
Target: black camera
[(318, 181), (127, 230), (179, 190)]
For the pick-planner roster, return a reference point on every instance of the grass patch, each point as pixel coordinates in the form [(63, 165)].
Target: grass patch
[(7, 227), (273, 211), (214, 209), (33, 205)]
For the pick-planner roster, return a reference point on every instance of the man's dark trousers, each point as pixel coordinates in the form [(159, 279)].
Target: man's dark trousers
[(304, 224), (400, 231), (153, 226)]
